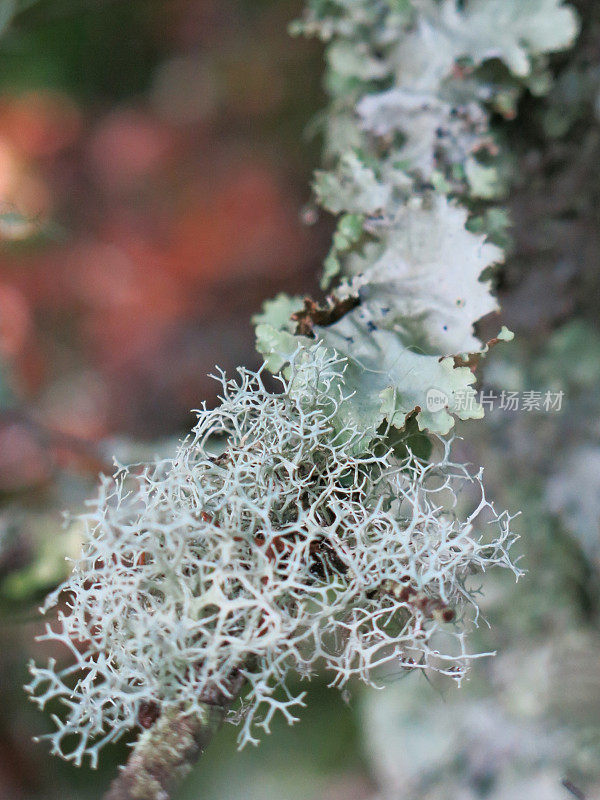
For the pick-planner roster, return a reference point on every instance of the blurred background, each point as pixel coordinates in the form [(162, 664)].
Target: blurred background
[(155, 167)]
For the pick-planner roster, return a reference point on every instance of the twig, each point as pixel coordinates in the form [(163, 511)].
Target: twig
[(165, 754), (575, 791)]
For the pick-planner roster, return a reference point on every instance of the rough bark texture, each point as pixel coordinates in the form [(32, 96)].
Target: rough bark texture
[(554, 202), (165, 754)]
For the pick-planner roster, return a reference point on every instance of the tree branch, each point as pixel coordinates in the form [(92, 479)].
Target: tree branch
[(165, 754)]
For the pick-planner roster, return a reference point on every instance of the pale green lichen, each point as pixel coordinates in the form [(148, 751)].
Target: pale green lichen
[(408, 123)]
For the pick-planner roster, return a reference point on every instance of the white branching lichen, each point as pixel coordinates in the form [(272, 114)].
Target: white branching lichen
[(285, 554)]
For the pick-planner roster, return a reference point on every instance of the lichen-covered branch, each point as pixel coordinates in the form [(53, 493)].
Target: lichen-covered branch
[(413, 173), (325, 531), (165, 754)]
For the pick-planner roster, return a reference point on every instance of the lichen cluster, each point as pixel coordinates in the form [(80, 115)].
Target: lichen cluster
[(284, 554)]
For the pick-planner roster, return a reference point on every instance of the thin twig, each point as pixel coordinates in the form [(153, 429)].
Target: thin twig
[(166, 753)]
